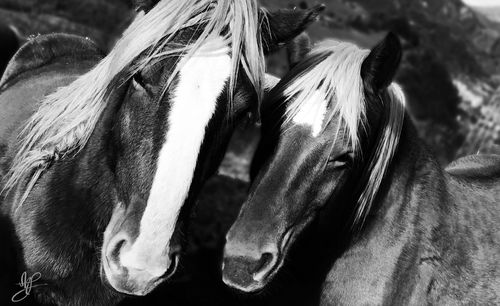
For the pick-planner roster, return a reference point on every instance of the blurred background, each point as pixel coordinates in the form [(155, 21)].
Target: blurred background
[(450, 73)]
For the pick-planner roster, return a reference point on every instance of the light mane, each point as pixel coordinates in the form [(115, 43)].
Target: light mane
[(338, 77), (66, 118), (395, 105)]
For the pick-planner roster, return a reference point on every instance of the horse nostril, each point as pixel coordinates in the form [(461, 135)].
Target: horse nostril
[(113, 256), (265, 260), (247, 273), (264, 266), (115, 253)]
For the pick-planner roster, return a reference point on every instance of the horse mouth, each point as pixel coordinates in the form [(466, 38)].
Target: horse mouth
[(254, 288)]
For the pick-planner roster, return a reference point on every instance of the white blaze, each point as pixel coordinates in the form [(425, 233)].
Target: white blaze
[(201, 81), (270, 82), (312, 113)]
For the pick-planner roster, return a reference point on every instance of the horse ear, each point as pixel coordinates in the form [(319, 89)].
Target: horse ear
[(379, 68), (144, 5), (285, 24), (298, 49)]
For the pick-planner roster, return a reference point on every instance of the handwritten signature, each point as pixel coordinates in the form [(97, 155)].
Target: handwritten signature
[(27, 283)]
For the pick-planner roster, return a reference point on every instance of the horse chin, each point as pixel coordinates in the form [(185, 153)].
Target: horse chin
[(253, 287), (124, 288), (253, 283)]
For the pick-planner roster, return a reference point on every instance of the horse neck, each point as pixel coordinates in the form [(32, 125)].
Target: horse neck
[(408, 210), (392, 240), (413, 187), (419, 232)]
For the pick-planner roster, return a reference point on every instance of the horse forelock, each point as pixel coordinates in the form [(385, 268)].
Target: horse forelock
[(333, 74), (336, 78), (66, 118)]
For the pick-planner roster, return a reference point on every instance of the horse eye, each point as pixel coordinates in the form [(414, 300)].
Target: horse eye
[(138, 81), (342, 161)]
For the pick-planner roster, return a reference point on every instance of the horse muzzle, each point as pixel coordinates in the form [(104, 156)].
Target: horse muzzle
[(134, 266), (131, 277)]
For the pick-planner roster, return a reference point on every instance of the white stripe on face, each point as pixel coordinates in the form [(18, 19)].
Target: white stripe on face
[(201, 81), (312, 113)]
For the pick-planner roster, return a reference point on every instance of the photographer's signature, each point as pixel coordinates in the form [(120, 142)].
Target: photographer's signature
[(27, 283)]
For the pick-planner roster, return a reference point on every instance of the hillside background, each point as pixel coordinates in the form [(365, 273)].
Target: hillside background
[(450, 73), (451, 70)]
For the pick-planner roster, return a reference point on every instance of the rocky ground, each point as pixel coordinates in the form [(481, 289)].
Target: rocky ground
[(450, 72)]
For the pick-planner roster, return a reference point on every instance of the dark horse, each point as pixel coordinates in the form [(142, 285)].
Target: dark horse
[(10, 41), (114, 149), (339, 151)]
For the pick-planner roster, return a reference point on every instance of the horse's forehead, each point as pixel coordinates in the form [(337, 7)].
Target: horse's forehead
[(202, 69), (311, 113), (205, 73)]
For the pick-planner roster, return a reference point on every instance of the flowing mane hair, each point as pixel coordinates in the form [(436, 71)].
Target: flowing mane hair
[(333, 69), (65, 120)]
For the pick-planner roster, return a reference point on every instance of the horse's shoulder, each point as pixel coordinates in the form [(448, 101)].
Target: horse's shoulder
[(479, 166), (47, 49)]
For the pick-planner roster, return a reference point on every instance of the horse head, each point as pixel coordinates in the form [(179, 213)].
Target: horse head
[(172, 129), (328, 129)]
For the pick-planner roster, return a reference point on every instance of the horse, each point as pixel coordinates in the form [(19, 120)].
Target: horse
[(340, 169), (102, 156), (11, 41)]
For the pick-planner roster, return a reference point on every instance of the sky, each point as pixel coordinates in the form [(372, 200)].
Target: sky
[(482, 2)]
